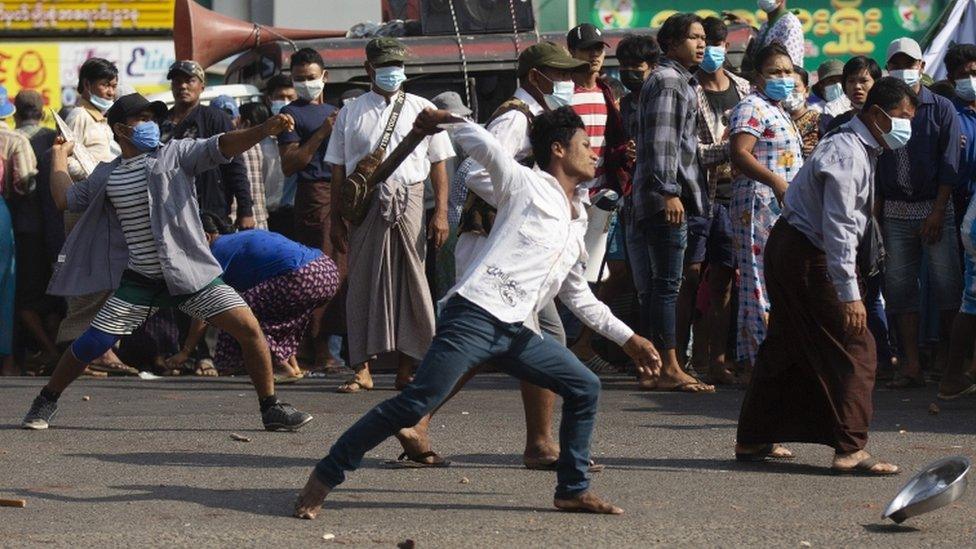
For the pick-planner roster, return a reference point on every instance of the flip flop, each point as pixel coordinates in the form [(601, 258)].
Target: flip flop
[(118, 368), (967, 391), (864, 468), (354, 386), (204, 367), (760, 455), (680, 388), (551, 466), (285, 380), (405, 461)]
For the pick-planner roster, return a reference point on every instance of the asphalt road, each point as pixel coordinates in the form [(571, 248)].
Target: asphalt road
[(153, 463)]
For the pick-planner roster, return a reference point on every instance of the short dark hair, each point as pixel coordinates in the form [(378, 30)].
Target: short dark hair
[(958, 55), (804, 76), (675, 29), (255, 113), (633, 49), (550, 127), (95, 69), (770, 51), (860, 63), (30, 105), (277, 82), (307, 56), (888, 92), (716, 31)]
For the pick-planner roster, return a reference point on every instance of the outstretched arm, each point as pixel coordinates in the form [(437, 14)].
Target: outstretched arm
[(236, 142)]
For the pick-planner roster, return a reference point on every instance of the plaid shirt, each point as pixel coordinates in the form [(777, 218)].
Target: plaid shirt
[(253, 158), (712, 151), (667, 143)]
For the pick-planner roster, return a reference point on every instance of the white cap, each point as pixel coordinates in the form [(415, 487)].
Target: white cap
[(904, 45)]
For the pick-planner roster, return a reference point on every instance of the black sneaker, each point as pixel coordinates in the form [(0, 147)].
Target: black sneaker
[(40, 414), (284, 417)]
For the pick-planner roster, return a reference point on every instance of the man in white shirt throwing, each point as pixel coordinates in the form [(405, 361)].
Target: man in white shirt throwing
[(535, 251)]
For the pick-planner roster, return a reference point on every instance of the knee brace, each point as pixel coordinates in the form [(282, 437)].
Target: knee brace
[(92, 344)]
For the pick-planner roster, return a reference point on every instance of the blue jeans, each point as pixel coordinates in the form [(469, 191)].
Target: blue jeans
[(640, 264), (877, 320), (904, 266), (666, 253), (467, 336)]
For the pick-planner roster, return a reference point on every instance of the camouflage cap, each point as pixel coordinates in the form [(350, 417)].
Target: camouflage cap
[(189, 67), (548, 54), (385, 49)]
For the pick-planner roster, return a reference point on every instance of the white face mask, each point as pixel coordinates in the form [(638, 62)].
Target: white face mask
[(562, 94), (309, 90), (794, 102), (908, 76), (100, 103), (833, 92), (768, 5)]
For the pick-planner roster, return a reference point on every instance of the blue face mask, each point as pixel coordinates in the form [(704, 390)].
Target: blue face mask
[(145, 136), (389, 79), (966, 88), (901, 132), (833, 92), (277, 105), (908, 76), (100, 103), (779, 89), (714, 58)]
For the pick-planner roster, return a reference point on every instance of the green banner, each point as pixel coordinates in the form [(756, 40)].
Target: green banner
[(833, 28)]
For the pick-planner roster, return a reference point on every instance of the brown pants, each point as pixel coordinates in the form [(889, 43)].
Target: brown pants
[(313, 218), (812, 381)]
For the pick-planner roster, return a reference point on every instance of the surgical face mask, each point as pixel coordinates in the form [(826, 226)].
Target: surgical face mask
[(145, 136), (632, 79), (277, 105), (768, 5), (901, 132), (794, 102), (309, 90), (562, 93), (966, 88), (908, 76), (714, 58), (833, 92), (389, 79), (100, 103), (779, 89)]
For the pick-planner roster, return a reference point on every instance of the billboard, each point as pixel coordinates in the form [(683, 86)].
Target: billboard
[(25, 17), (51, 68), (833, 28)]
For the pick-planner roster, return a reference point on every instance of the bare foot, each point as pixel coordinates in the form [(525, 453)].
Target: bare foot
[(678, 381), (587, 502), (546, 452), (778, 452), (309, 501)]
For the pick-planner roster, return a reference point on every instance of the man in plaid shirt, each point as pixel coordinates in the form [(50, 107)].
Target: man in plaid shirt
[(668, 182)]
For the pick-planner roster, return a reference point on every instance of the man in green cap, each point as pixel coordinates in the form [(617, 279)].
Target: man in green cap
[(388, 304)]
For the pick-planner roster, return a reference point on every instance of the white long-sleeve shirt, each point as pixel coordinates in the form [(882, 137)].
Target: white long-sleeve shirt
[(535, 250)]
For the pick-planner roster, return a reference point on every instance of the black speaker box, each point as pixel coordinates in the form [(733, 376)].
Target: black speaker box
[(475, 16)]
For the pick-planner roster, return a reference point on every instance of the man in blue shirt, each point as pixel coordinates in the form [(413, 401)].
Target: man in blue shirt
[(915, 184)]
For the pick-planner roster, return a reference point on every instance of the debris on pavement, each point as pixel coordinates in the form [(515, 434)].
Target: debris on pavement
[(902, 431), (805, 544), (240, 438), (13, 502), (464, 480), (86, 398), (148, 375), (934, 409), (328, 536), (406, 544)]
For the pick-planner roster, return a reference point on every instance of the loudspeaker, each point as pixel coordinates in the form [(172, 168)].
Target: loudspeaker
[(476, 16)]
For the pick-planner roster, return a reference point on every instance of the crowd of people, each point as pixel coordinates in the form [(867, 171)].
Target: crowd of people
[(799, 234)]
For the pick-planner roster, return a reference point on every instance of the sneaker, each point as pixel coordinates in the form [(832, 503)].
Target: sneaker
[(40, 414), (284, 417)]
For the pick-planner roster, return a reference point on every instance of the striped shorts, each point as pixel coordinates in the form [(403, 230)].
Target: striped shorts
[(136, 300)]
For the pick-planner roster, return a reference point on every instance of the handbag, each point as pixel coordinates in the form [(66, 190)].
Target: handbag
[(356, 191)]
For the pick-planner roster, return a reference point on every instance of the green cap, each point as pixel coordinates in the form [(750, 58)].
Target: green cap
[(830, 67), (548, 54), (385, 49)]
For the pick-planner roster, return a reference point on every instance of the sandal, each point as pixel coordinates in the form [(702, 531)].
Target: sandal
[(114, 368), (865, 467), (405, 461), (762, 454), (551, 466), (354, 386), (205, 368), (967, 391), (281, 379), (688, 387), (902, 381), (598, 365)]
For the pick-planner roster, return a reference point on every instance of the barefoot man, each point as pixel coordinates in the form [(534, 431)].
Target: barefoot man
[(534, 253)]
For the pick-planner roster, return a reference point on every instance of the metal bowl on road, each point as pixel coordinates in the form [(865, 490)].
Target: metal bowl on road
[(937, 485)]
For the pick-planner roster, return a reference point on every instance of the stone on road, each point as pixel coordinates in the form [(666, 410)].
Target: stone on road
[(155, 463)]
